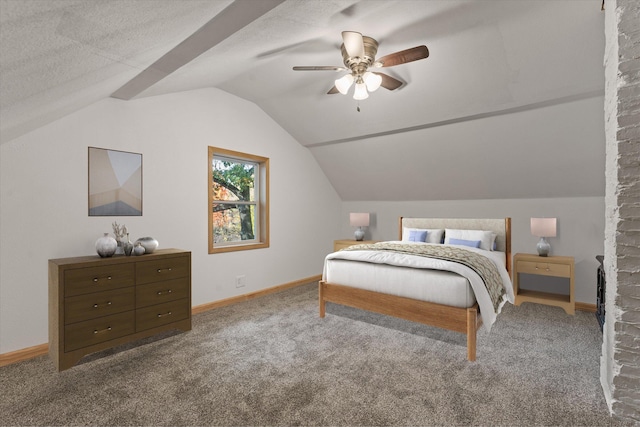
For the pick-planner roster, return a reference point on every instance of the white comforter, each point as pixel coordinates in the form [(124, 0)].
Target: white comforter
[(413, 261)]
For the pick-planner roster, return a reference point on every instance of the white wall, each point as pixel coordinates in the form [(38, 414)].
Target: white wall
[(43, 194), (538, 152), (580, 226), (43, 203)]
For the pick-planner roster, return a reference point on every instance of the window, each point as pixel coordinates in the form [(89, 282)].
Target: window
[(238, 201)]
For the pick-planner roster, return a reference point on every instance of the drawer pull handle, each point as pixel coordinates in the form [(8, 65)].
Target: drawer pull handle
[(165, 314), (104, 330), (546, 268), (95, 279), (160, 269), (168, 291), (96, 305)]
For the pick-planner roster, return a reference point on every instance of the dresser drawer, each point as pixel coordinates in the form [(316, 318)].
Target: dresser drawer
[(84, 334), (544, 268), (162, 269), (160, 292), (98, 304), (87, 280), (161, 314)]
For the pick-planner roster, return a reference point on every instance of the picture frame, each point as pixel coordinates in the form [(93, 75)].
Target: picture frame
[(115, 183)]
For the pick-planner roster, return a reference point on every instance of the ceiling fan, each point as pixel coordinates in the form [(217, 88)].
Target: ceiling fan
[(359, 56)]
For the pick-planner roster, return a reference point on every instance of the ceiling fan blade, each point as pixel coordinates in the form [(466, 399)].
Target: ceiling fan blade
[(403, 56), (333, 90), (389, 82), (353, 43), (318, 68)]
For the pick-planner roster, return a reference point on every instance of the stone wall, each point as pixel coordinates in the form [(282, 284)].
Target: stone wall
[(620, 364)]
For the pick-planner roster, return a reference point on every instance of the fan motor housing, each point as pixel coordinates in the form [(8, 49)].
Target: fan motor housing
[(359, 65)]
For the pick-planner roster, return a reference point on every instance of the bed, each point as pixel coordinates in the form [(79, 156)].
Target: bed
[(440, 281)]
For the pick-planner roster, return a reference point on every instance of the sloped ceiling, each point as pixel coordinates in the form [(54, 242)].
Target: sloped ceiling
[(537, 64)]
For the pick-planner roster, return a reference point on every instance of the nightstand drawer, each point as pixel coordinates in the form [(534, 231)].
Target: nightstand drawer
[(98, 304), (544, 268)]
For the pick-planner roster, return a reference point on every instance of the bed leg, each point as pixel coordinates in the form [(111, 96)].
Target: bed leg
[(321, 297), (472, 327)]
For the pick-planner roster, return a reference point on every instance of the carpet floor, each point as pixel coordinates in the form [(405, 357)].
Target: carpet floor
[(273, 361)]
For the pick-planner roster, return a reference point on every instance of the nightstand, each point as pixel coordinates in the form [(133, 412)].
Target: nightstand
[(557, 266), (341, 244)]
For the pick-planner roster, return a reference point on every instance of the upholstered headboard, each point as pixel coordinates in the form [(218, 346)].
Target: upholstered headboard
[(500, 226)]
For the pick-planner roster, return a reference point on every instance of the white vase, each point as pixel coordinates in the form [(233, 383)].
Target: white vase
[(106, 246), (138, 249), (148, 243)]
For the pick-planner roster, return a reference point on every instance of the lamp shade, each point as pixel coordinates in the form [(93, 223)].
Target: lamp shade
[(344, 83), (372, 81), (543, 227), (360, 92), (359, 219)]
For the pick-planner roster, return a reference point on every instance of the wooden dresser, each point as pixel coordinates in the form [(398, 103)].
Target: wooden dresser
[(97, 303)]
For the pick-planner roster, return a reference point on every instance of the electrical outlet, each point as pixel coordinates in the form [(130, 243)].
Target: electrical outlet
[(241, 281)]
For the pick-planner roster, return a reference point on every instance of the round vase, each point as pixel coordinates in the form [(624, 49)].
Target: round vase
[(138, 249), (106, 246), (148, 243)]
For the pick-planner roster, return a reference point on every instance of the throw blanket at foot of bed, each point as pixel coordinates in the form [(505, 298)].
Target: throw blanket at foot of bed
[(489, 280)]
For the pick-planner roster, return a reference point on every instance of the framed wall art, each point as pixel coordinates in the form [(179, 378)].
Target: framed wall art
[(115, 183)]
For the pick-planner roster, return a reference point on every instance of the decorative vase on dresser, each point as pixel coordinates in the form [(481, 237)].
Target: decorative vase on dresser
[(98, 303), (148, 243), (138, 249), (127, 246), (106, 246)]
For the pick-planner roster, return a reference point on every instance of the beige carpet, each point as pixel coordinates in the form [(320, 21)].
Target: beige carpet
[(273, 361)]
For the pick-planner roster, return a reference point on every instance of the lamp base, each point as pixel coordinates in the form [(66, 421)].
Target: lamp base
[(543, 247), (359, 234)]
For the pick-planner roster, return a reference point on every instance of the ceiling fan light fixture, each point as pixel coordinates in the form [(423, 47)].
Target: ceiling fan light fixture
[(344, 83), (359, 56), (361, 91), (372, 80)]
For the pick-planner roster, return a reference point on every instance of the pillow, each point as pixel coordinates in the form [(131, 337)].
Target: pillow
[(486, 238), (417, 235), (434, 235), (470, 243)]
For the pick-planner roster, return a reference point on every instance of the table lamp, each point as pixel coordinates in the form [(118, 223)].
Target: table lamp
[(543, 228), (359, 220)]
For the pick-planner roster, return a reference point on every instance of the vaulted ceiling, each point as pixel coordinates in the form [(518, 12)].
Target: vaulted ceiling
[(488, 59)]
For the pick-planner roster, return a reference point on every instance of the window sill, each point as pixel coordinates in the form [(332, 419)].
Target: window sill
[(233, 248)]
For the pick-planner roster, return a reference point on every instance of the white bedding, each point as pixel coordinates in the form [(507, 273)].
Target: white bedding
[(417, 277)]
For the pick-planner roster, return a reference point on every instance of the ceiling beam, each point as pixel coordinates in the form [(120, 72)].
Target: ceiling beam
[(234, 17)]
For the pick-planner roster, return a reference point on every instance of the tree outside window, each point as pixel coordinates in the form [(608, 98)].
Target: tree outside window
[(238, 201)]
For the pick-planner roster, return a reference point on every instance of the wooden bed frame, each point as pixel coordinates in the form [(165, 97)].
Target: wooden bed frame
[(464, 320)]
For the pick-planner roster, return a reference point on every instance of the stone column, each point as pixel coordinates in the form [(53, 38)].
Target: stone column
[(620, 361)]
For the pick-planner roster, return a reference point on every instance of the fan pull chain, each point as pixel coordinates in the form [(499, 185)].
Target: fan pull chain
[(358, 107)]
